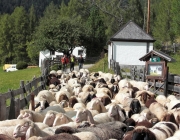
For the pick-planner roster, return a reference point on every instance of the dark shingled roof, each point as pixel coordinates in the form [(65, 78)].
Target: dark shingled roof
[(157, 53), (131, 32)]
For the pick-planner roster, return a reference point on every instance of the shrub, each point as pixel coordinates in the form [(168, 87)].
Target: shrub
[(21, 65), (56, 67)]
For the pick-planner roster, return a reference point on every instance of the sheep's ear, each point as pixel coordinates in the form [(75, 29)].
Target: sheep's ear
[(103, 109), (121, 114), (29, 133)]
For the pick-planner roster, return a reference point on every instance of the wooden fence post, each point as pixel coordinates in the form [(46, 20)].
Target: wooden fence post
[(22, 86), (166, 82), (17, 107), (2, 108), (32, 101), (12, 107)]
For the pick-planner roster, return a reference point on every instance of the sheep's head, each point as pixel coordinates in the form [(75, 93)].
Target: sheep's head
[(49, 118), (25, 114), (142, 133), (43, 104), (21, 130), (135, 106), (64, 103), (116, 112), (81, 115), (61, 119)]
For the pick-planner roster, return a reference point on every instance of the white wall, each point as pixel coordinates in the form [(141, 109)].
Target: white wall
[(128, 53), (46, 54), (76, 49)]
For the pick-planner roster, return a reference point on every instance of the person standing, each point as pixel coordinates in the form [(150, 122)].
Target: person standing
[(64, 61), (80, 62), (72, 61)]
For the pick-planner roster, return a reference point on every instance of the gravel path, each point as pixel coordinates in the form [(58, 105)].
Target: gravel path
[(85, 66)]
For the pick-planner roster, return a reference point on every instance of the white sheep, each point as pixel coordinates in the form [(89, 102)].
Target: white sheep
[(96, 104), (158, 110), (32, 115)]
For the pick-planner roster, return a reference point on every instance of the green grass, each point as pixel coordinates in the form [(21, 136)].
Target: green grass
[(174, 67), (11, 80), (101, 65)]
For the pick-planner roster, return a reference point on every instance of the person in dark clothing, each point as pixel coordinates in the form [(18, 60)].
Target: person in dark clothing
[(72, 61), (80, 62)]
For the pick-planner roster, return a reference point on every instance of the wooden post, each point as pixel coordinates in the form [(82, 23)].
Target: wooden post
[(12, 107), (22, 86), (166, 82), (32, 101), (17, 107), (2, 108), (154, 84), (148, 17)]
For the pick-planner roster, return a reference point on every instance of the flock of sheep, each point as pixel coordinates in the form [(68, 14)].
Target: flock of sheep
[(95, 106)]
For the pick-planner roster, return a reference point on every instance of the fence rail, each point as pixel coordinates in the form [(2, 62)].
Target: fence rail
[(20, 98), (138, 73)]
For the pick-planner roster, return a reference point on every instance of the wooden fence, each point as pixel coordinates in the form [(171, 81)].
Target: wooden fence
[(20, 98), (138, 73)]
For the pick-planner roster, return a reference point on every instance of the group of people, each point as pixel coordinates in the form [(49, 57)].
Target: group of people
[(71, 60)]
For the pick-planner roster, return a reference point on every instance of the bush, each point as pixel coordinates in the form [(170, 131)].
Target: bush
[(21, 65), (56, 67)]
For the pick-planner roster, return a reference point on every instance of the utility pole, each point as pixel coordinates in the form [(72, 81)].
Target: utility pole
[(148, 17)]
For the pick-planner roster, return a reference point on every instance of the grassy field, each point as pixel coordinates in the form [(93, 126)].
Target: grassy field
[(174, 67), (11, 80)]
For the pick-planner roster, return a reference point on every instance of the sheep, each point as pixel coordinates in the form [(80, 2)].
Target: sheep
[(123, 98), (158, 110), (11, 125), (72, 101), (104, 91), (147, 113), (28, 128), (135, 106), (42, 99), (50, 117), (161, 99), (105, 131), (88, 88), (115, 113), (139, 84), (176, 113), (176, 136), (86, 136), (105, 100), (78, 106), (173, 104), (64, 104), (163, 130), (56, 108), (141, 132), (8, 131), (12, 122), (144, 95), (86, 96), (5, 137), (96, 104), (138, 117), (32, 115), (61, 96), (124, 83), (62, 136), (159, 131), (61, 119)]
